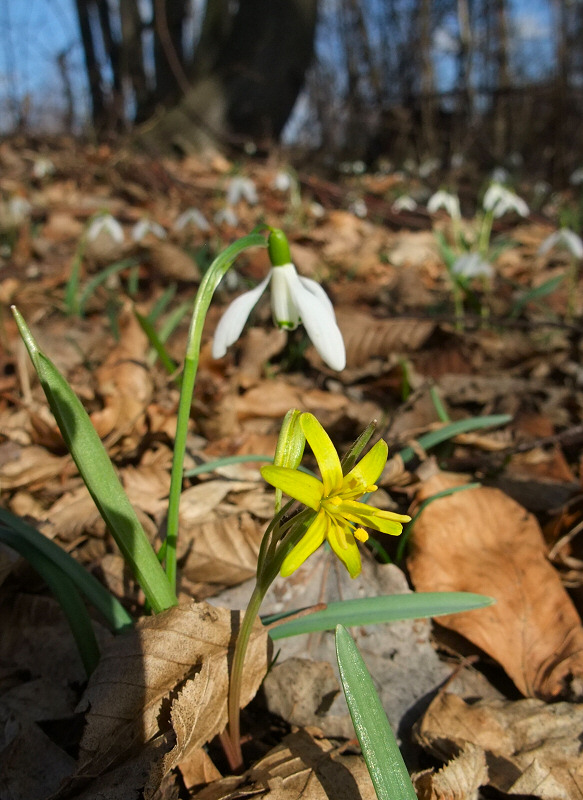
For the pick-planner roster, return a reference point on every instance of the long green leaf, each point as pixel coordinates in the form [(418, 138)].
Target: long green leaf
[(377, 741), (373, 610), (449, 431), (32, 544), (99, 476)]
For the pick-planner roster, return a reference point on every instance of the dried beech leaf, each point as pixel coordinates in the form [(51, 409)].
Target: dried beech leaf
[(26, 466), (170, 673), (171, 262), (482, 541), (124, 381), (460, 779), (531, 748), (222, 549), (366, 337), (300, 767)]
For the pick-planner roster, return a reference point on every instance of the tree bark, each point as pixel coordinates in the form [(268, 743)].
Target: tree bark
[(249, 83)]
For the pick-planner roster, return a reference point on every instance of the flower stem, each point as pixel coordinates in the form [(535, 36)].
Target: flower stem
[(203, 299), (236, 677)]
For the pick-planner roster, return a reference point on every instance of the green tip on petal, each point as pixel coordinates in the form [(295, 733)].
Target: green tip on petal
[(278, 248)]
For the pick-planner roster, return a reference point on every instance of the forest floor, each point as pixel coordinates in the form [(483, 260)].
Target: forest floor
[(488, 698)]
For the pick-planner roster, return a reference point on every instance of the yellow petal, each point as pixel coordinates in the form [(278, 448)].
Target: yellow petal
[(345, 548), (309, 543), (363, 514), (368, 469), (325, 453), (305, 488)]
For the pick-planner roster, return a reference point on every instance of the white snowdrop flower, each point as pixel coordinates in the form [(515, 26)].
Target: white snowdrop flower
[(428, 167), (192, 216), (226, 216), (345, 167), (16, 211), (358, 167), (563, 238), (294, 300), (445, 200), (42, 168), (472, 265), (500, 175), (105, 224), (317, 210), (241, 188), (145, 226), (282, 182), (358, 208), (500, 200), (576, 178), (404, 203)]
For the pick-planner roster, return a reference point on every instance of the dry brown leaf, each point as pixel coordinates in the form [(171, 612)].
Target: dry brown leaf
[(300, 767), (172, 262), (531, 748), (221, 548), (460, 779), (198, 769), (482, 541), (27, 466), (366, 337), (301, 691), (170, 673), (24, 776), (125, 382)]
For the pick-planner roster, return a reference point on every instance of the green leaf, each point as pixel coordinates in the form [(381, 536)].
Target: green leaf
[(373, 610), (449, 431), (99, 476), (33, 545), (379, 747), (546, 288)]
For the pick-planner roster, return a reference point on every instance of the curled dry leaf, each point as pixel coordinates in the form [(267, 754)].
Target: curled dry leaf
[(482, 541), (531, 748), (460, 779), (366, 337), (300, 767), (221, 549), (170, 674)]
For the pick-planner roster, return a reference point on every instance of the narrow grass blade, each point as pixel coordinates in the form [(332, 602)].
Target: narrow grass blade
[(31, 544), (373, 610), (538, 293), (102, 277), (377, 741), (99, 476), (449, 431), (156, 343)]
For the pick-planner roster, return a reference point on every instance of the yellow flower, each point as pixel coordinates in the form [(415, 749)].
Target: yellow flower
[(334, 499)]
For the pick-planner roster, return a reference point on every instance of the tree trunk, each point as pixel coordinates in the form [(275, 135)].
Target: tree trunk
[(98, 106), (252, 81)]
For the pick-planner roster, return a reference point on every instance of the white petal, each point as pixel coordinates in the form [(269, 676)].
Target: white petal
[(319, 321), (549, 243), (285, 311), (573, 242), (233, 320)]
